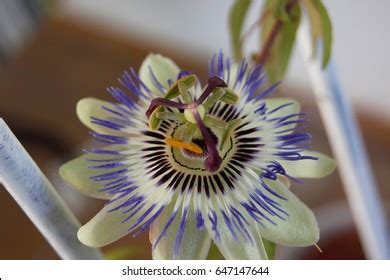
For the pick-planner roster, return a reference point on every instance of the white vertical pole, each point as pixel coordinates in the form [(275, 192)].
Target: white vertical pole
[(23, 179), (348, 147)]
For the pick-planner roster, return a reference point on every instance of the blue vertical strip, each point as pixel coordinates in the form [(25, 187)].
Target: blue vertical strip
[(358, 156)]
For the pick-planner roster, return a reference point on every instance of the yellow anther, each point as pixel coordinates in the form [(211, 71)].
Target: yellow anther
[(180, 144)]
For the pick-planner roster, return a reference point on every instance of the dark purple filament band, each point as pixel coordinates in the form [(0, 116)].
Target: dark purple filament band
[(163, 102)]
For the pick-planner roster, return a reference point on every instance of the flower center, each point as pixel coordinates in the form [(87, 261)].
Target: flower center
[(189, 115), (200, 142), (194, 115)]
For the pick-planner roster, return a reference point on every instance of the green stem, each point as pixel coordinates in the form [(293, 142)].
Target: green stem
[(264, 54)]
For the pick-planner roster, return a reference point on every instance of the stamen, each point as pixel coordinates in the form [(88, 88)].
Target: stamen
[(192, 114), (211, 121), (183, 89), (230, 126), (180, 144), (213, 83), (217, 95), (213, 160), (172, 116)]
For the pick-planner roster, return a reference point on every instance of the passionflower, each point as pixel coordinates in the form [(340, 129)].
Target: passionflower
[(196, 165)]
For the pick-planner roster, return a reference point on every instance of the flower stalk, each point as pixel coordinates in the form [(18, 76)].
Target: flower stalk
[(262, 57)]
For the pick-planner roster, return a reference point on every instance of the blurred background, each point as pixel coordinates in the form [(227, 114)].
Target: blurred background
[(53, 53)]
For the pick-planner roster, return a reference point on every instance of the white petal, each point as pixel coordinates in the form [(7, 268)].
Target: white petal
[(194, 245), (233, 74), (77, 173), (273, 103), (238, 247), (299, 228), (103, 229), (309, 168), (107, 227), (132, 210), (163, 69), (92, 107)]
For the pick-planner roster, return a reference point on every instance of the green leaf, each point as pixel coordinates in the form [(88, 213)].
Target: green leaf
[(280, 52), (279, 10), (321, 28), (236, 20), (270, 248)]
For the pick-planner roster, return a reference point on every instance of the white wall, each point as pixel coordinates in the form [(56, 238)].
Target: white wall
[(199, 27)]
